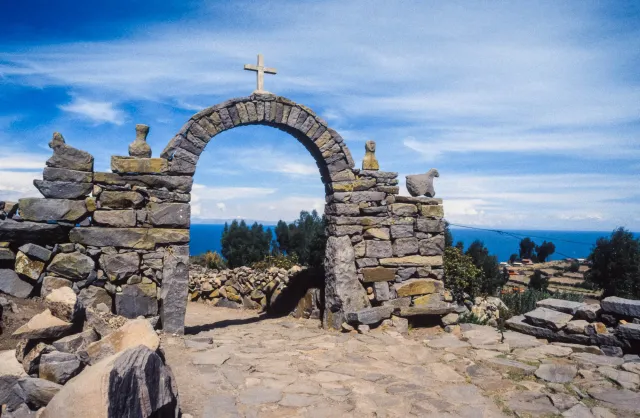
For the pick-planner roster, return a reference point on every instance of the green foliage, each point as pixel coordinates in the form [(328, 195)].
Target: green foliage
[(539, 281), (513, 258), (492, 276), (472, 318), (527, 247), (521, 303), (281, 261), (305, 237), (615, 265), (243, 245), (574, 267), (545, 250), (210, 259), (461, 275), (448, 237)]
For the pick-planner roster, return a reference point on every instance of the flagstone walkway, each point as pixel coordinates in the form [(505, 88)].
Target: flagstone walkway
[(287, 367)]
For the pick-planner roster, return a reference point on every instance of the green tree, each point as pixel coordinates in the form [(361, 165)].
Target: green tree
[(243, 246), (513, 258), (304, 237), (492, 276), (539, 281), (448, 236), (545, 250), (461, 275), (615, 265), (527, 248)]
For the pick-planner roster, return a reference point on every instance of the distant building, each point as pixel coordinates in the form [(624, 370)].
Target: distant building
[(527, 261)]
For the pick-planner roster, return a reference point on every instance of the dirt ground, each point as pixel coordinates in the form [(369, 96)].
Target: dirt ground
[(11, 321)]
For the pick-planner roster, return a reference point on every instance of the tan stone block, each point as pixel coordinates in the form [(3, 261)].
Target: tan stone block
[(139, 165), (377, 233), (404, 209), (28, 267), (412, 261), (91, 204), (427, 299), (416, 287), (378, 274), (433, 211)]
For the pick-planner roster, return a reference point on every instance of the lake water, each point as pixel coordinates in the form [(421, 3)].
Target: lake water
[(575, 244)]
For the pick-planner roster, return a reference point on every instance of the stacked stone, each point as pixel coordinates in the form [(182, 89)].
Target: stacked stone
[(239, 287), (613, 324)]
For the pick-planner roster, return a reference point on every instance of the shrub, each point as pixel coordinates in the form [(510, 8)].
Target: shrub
[(210, 259), (521, 303), (574, 267), (472, 318), (461, 275), (281, 261), (539, 281)]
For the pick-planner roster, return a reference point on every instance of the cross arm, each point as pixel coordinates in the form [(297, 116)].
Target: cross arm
[(251, 67), (269, 70)]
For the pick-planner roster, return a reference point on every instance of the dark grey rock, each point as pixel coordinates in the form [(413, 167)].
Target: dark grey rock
[(343, 291), (432, 246), (37, 393), (378, 249), (422, 184), (381, 291), (45, 210), (120, 266), (76, 342), (65, 156), (226, 303), (611, 351), (370, 316), (65, 175), (74, 266), (22, 232), (629, 331), (92, 296), (13, 285), (7, 255), (430, 225), (37, 252), (560, 305), (170, 215), (359, 197), (401, 231), (116, 218), (133, 302), (589, 312), (59, 367), (518, 323), (175, 289), (405, 246), (548, 318), (10, 393), (621, 306), (63, 190)]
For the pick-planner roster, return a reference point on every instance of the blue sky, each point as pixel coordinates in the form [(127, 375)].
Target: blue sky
[(528, 109)]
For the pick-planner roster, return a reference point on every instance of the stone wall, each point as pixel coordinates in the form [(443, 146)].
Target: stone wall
[(121, 238)]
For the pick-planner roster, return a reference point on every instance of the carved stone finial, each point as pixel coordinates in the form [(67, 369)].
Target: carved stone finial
[(370, 162), (422, 184), (56, 141), (139, 147)]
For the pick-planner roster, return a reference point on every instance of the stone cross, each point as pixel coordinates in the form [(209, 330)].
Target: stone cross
[(260, 69)]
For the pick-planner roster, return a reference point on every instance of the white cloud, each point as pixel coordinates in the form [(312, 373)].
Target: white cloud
[(23, 161), (203, 193), (16, 185), (98, 112), (221, 206)]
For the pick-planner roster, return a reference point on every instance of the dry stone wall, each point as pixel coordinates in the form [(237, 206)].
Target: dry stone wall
[(121, 238)]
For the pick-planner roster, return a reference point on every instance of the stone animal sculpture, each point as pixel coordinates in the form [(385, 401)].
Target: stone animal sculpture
[(422, 184)]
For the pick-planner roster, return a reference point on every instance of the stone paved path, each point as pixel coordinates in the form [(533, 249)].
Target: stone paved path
[(291, 368)]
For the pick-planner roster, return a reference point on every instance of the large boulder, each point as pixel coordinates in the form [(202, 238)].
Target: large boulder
[(132, 383), (12, 285), (343, 291), (43, 326), (74, 266), (132, 334)]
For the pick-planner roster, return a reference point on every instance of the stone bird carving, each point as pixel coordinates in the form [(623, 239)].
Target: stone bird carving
[(422, 184)]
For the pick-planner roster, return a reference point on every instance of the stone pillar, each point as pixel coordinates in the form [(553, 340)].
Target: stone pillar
[(175, 289)]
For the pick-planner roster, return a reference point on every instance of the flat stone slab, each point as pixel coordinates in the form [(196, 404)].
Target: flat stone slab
[(597, 360), (548, 318), (624, 399), (369, 316), (560, 305), (439, 309), (511, 365), (557, 373), (621, 306), (214, 357), (518, 323)]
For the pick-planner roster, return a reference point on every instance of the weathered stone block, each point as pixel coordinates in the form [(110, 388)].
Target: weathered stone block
[(137, 300), (381, 291), (548, 318), (115, 218), (62, 190), (405, 246), (621, 306), (377, 233), (342, 209), (175, 287), (172, 215), (378, 249), (433, 226), (560, 305), (341, 230), (42, 326), (118, 267), (12, 285), (180, 184), (432, 246), (139, 165), (359, 197), (416, 287), (402, 231), (426, 310), (629, 331), (378, 274), (366, 262), (432, 211), (44, 210), (50, 283), (59, 367), (92, 296), (412, 261), (65, 175), (404, 209), (7, 255), (589, 312), (138, 238), (28, 267), (370, 316), (120, 199), (36, 252), (74, 266)]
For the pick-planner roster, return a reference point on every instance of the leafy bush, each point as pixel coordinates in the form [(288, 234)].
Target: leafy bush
[(574, 267), (281, 261), (472, 318), (539, 281), (521, 303), (461, 275), (210, 259), (615, 265)]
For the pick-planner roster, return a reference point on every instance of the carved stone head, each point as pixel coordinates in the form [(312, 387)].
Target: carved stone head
[(370, 146)]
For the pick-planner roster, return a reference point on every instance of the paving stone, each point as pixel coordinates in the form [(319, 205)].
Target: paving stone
[(511, 365), (624, 400), (532, 404), (259, 395), (578, 411), (625, 379), (588, 358), (560, 305), (556, 373), (216, 357), (548, 318)]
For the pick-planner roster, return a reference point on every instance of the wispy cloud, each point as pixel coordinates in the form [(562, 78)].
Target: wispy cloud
[(95, 111)]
